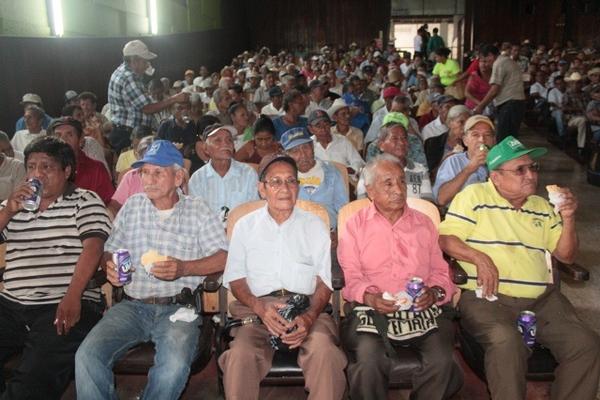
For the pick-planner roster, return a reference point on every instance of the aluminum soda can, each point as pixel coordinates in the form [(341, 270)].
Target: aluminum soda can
[(483, 147), (32, 203), (526, 324), (414, 286), (122, 260)]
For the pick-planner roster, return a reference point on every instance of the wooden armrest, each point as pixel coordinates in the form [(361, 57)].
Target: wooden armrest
[(573, 271), (457, 273), (212, 282)]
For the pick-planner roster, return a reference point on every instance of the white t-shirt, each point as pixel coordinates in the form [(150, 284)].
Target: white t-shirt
[(539, 89), (312, 179), (22, 138)]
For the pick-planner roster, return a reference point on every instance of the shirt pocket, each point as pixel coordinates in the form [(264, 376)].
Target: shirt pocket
[(303, 278)]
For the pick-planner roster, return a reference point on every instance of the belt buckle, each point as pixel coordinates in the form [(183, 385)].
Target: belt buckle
[(282, 292)]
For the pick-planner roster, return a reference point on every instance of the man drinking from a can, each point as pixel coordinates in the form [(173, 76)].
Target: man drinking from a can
[(400, 285), (171, 241), (54, 233), (500, 231)]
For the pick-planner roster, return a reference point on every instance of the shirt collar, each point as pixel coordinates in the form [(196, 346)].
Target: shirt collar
[(498, 198), (372, 213), (232, 171)]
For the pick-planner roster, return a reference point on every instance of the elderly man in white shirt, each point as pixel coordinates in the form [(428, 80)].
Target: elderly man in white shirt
[(332, 146), (438, 125), (277, 251)]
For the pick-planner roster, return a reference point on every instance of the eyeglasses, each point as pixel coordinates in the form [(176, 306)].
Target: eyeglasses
[(277, 183), (522, 169)]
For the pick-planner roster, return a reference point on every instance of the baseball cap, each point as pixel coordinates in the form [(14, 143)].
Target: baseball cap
[(391, 91), (340, 74), (70, 95), (138, 48), (337, 105), (275, 91), (65, 121), (294, 137), (475, 119), (395, 118), (443, 99), (31, 98), (317, 116), (595, 70), (272, 158), (315, 83), (189, 72), (162, 153), (214, 128), (509, 149)]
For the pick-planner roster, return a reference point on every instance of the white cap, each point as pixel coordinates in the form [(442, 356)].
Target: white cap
[(31, 98), (139, 49), (337, 105)]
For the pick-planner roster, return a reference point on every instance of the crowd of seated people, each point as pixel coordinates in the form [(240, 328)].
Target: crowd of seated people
[(163, 164)]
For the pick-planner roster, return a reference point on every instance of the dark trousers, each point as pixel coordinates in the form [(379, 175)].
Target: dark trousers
[(120, 138), (510, 116), (369, 367), (575, 346), (48, 360)]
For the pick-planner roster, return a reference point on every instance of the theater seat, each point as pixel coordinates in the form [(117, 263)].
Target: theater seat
[(285, 370)]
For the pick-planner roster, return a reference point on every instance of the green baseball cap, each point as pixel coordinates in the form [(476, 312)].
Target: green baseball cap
[(395, 118), (509, 149)]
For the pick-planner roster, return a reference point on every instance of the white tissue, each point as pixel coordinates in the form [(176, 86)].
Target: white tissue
[(556, 198), (479, 294), (402, 299), (184, 314)]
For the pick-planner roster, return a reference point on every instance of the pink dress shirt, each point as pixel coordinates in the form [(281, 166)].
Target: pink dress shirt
[(377, 256), (130, 185)]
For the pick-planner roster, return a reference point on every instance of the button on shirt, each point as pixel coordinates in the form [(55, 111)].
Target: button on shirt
[(453, 166), (271, 257), (191, 232), (379, 256), (340, 150), (127, 96), (236, 187)]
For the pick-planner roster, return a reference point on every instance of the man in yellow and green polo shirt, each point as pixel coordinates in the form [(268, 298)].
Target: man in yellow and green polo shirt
[(500, 232)]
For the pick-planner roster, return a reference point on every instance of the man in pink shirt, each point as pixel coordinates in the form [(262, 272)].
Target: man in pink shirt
[(384, 246)]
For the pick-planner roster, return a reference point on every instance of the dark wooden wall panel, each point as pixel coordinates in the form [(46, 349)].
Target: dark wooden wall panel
[(313, 23)]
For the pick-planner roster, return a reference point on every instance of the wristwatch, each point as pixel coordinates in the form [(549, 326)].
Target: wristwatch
[(440, 293)]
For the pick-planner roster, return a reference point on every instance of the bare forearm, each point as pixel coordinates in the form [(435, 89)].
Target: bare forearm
[(491, 95), (566, 248), (449, 189), (207, 265), (5, 217), (319, 299), (242, 292), (458, 249), (157, 107), (87, 265)]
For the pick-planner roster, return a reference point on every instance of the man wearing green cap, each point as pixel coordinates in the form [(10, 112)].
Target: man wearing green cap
[(393, 139), (500, 232)]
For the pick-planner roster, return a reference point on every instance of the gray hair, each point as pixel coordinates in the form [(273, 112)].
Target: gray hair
[(218, 94), (368, 171), (457, 111), (144, 145), (4, 137), (385, 130)]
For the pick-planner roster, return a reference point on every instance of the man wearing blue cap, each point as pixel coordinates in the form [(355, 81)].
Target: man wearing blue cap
[(319, 181), (500, 232), (160, 223)]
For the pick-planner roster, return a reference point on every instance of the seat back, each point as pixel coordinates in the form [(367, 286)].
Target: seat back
[(344, 172)]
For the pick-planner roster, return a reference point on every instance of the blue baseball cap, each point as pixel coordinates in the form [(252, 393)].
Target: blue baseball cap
[(162, 153), (294, 137)]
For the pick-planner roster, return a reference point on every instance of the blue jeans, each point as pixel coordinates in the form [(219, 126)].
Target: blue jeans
[(125, 325), (559, 121)]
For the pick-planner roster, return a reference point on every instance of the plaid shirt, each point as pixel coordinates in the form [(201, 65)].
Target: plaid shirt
[(191, 232), (127, 96), (574, 103)]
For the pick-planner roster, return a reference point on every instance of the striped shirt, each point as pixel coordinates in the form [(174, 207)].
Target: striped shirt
[(43, 247), (127, 96), (191, 232), (515, 239)]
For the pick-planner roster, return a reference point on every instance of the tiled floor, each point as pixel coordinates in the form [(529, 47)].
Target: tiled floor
[(557, 169)]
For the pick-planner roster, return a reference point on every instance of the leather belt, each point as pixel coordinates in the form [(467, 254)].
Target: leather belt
[(280, 293), (154, 300)]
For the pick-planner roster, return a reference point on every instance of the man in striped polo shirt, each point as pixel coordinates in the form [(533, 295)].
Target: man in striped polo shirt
[(46, 309), (500, 232)]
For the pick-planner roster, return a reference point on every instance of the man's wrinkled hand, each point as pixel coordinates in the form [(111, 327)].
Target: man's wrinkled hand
[(168, 270), (68, 313), (113, 275), (301, 326), (268, 312), (569, 205), (377, 302), (14, 203), (487, 275), (425, 300)]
